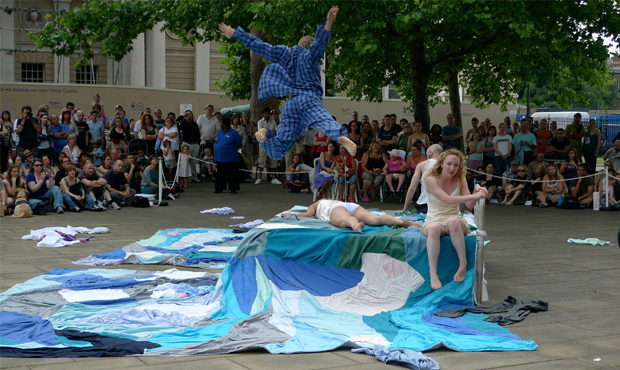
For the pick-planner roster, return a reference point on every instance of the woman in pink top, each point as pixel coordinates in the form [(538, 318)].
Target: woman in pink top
[(392, 170), (414, 158)]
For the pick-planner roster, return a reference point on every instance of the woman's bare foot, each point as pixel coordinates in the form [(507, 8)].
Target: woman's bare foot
[(348, 144), (261, 135), (460, 273), (410, 224), (359, 226), (435, 283)]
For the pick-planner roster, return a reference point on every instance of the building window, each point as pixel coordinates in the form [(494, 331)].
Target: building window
[(87, 75), (32, 72), (392, 93)]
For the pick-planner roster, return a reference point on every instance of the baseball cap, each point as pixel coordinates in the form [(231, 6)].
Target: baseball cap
[(274, 112), (515, 163)]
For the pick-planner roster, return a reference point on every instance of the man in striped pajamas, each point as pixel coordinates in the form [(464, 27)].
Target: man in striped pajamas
[(295, 72)]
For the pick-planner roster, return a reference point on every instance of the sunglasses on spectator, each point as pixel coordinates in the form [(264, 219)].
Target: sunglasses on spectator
[(37, 165), (521, 170)]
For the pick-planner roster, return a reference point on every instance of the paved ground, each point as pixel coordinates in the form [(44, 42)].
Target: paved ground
[(528, 258)]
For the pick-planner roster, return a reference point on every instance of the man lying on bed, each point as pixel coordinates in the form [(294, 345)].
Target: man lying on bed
[(341, 214)]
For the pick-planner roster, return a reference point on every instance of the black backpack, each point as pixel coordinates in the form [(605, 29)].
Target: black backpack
[(140, 202)]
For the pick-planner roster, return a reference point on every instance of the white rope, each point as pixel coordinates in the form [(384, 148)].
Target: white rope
[(530, 180), (244, 170)]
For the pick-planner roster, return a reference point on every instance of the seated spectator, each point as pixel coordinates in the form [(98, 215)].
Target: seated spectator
[(27, 160), (97, 153), (393, 169), (298, 180), (601, 174), (414, 158), (121, 193), (488, 181), (83, 128), (41, 184), (613, 155), (435, 136), (582, 188), (518, 188), (367, 136), (559, 145), (150, 179), (106, 165), (537, 182), (134, 172), (12, 182), (347, 168), (373, 162), (84, 158), (72, 151), (569, 167), (609, 189), (95, 186), (61, 171), (508, 175), (553, 187), (58, 163), (325, 170), (73, 193), (48, 164), (540, 159)]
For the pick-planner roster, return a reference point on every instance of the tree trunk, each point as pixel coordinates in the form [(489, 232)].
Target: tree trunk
[(421, 73), (455, 101), (257, 66)]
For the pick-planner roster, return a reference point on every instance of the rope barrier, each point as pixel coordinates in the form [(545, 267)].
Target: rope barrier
[(245, 170), (530, 180)]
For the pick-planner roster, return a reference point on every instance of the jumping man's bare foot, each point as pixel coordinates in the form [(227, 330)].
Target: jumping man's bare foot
[(348, 144), (261, 135), (358, 227), (435, 283), (460, 273)]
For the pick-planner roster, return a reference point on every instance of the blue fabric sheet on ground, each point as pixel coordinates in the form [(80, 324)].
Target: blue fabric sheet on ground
[(285, 289)]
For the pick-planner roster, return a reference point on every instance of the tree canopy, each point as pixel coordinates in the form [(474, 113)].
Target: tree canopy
[(496, 47)]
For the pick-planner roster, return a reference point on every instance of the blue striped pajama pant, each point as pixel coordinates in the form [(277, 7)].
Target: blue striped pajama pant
[(299, 113)]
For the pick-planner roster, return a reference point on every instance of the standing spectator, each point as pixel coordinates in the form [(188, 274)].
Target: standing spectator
[(319, 144), (543, 138), (184, 162), (117, 143), (7, 145), (45, 136), (470, 133), (508, 126), (97, 153), (374, 128), (120, 113), (559, 145), (575, 132), (170, 159), (227, 143), (452, 134), (307, 140), (613, 155), (72, 151), (95, 127), (435, 136), (540, 159), (190, 136), (591, 145), (66, 118), (367, 136), (41, 184), (171, 132), (387, 136), (524, 143), (502, 145), (250, 130), (27, 129), (209, 126), (264, 162), (347, 168), (476, 150), (419, 138), (489, 147), (159, 119), (98, 103), (553, 127), (120, 130), (83, 128), (581, 187), (117, 184), (404, 137), (355, 134), (61, 133), (149, 132)]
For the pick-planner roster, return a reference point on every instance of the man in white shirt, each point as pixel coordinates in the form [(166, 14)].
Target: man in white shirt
[(263, 160), (307, 139), (419, 176), (209, 126)]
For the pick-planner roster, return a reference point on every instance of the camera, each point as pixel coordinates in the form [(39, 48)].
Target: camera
[(29, 114)]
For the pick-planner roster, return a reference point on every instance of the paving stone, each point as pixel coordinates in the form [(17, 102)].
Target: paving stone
[(302, 361), (92, 364), (11, 362)]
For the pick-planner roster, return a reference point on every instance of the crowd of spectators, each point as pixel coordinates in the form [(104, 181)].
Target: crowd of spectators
[(87, 159)]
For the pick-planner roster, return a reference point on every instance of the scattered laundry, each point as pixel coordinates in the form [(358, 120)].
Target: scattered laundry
[(249, 225), (399, 356), (237, 218), (174, 233), (219, 211), (589, 241), (56, 237)]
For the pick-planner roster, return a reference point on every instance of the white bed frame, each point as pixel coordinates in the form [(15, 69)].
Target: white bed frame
[(479, 284)]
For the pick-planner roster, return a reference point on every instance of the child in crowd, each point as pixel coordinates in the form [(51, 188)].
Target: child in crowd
[(209, 167), (392, 170), (97, 152), (169, 158), (141, 156), (184, 167), (97, 100)]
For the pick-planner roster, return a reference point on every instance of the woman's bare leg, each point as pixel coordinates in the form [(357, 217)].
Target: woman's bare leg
[(367, 187), (454, 225), (369, 219), (512, 201), (341, 218), (541, 197), (434, 232)]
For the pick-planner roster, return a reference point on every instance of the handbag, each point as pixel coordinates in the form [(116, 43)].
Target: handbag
[(568, 202)]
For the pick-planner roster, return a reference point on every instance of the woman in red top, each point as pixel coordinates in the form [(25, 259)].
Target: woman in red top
[(319, 144), (347, 168)]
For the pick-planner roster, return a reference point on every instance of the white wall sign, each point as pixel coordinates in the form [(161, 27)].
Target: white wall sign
[(184, 107)]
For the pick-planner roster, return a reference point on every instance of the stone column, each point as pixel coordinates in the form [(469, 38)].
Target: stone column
[(7, 40), (62, 65), (202, 66), (137, 76), (156, 57)]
